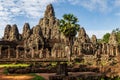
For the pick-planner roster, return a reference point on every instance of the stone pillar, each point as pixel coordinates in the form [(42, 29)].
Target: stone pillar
[(40, 53), (0, 50), (116, 52), (53, 53), (32, 53), (17, 52), (25, 53), (56, 53), (111, 50), (103, 46), (67, 51), (108, 50), (47, 53), (8, 52), (62, 55), (79, 50)]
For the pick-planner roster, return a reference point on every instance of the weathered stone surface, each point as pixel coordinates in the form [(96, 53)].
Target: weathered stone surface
[(49, 24), (58, 50), (94, 39), (113, 39), (49, 11), (26, 31), (7, 32), (14, 33), (62, 69), (36, 39), (82, 36)]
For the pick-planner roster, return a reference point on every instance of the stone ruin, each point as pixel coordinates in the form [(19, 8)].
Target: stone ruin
[(44, 41)]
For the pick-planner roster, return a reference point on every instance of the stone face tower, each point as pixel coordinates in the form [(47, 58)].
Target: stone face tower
[(113, 39), (7, 32), (26, 31), (94, 39), (49, 24), (82, 36), (11, 33)]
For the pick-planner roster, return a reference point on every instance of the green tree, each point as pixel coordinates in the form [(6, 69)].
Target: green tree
[(69, 27), (117, 32), (106, 37)]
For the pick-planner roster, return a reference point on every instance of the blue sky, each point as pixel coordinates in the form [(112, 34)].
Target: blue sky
[(96, 16)]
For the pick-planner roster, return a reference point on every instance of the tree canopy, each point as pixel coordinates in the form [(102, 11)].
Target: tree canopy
[(117, 32), (68, 25), (106, 37)]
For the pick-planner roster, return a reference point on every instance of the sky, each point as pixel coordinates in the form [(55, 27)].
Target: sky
[(96, 16)]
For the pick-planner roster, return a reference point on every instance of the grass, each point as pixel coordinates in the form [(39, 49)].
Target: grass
[(5, 71), (54, 63), (13, 65), (36, 77)]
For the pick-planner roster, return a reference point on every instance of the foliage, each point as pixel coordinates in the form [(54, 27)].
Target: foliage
[(106, 37), (117, 32), (116, 78), (36, 77), (5, 71), (68, 25), (54, 64), (14, 65)]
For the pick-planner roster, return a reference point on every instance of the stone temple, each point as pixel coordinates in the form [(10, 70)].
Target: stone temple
[(44, 41)]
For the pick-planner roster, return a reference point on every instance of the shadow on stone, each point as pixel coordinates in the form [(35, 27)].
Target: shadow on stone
[(62, 69)]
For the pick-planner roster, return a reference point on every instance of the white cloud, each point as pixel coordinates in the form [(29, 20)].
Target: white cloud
[(117, 3), (34, 7), (99, 5), (117, 14), (102, 6), (15, 10), (30, 8), (1, 8)]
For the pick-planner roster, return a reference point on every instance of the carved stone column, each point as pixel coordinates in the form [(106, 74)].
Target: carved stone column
[(17, 52), (0, 50), (112, 50), (67, 51), (8, 52), (32, 53), (25, 51), (103, 46), (108, 49), (116, 50)]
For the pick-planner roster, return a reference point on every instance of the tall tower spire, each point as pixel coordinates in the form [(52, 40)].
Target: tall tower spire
[(49, 11)]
